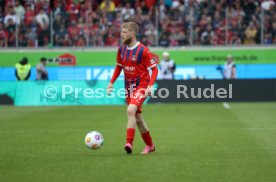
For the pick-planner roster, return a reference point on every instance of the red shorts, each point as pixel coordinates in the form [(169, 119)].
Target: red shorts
[(137, 98)]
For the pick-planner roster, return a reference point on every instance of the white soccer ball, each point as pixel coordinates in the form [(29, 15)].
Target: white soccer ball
[(94, 140)]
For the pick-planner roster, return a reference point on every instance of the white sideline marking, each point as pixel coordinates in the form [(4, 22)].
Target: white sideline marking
[(226, 105)]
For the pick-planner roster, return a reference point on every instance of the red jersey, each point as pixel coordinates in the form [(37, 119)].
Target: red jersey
[(135, 62)]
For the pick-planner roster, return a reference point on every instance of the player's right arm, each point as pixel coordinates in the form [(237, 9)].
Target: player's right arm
[(116, 72)]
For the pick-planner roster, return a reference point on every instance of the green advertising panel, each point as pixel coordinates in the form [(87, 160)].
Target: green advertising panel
[(183, 56), (49, 93)]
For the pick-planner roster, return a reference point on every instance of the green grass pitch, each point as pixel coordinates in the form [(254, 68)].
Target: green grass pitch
[(194, 142)]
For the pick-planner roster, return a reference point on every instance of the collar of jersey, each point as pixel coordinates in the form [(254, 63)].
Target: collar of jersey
[(131, 48)]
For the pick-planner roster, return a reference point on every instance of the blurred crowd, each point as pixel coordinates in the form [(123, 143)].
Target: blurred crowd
[(96, 23)]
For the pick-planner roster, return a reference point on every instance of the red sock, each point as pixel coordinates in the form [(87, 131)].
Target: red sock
[(147, 138), (130, 135)]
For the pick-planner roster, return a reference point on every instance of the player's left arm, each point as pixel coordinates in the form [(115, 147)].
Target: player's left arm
[(149, 62), (152, 80)]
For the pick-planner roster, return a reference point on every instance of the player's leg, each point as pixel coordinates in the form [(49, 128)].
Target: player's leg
[(131, 125), (131, 115), (143, 128)]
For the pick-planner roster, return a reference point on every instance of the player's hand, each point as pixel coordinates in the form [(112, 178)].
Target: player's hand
[(149, 91), (109, 88)]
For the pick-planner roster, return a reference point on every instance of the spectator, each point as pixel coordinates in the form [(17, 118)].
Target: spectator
[(11, 15), (73, 32), (62, 37), (42, 4), (81, 25), (34, 26), (3, 36), (268, 5), (99, 41), (150, 3), (164, 40), (235, 39), (250, 34), (57, 22), (273, 31), (81, 42), (229, 68), (127, 12), (2, 16), (43, 28), (144, 8), (167, 67), (111, 40), (85, 9), (107, 6), (19, 11), (162, 10), (73, 10), (31, 3), (191, 9), (29, 15), (182, 39), (9, 3), (31, 37), (267, 38), (60, 10), (206, 36), (42, 19), (23, 70), (11, 30), (41, 72)]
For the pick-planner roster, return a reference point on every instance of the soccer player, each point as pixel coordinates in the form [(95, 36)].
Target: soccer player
[(135, 59)]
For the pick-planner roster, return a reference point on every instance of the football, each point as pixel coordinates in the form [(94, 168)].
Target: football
[(94, 140)]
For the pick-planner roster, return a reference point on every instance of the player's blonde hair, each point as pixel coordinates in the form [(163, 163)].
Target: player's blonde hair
[(131, 26)]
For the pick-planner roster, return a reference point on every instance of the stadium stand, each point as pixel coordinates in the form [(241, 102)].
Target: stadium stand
[(80, 23)]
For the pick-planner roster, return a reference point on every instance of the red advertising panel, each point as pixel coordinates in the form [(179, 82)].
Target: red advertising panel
[(67, 60)]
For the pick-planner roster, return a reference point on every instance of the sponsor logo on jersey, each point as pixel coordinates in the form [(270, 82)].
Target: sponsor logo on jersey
[(129, 68)]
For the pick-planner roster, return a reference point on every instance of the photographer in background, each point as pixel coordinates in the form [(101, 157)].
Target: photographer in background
[(41, 72), (229, 68), (167, 67), (23, 70)]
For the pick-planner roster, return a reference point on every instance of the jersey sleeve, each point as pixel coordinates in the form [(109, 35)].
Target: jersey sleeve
[(119, 59), (147, 59)]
